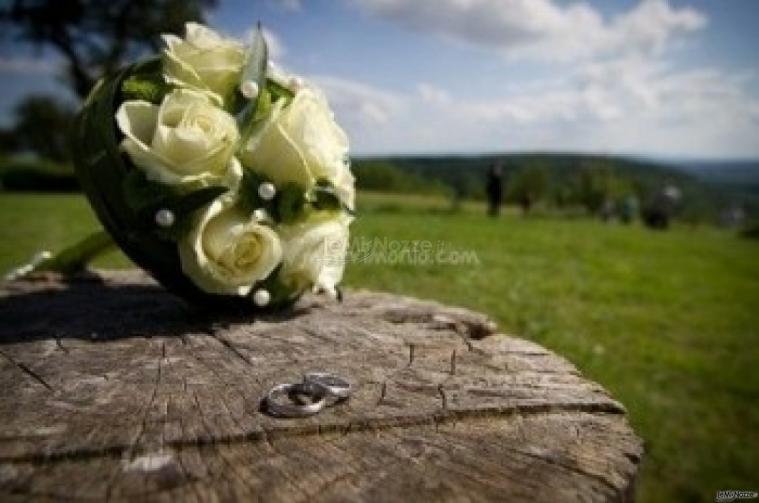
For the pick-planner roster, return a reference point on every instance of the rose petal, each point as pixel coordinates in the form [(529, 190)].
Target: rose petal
[(137, 120), (279, 158)]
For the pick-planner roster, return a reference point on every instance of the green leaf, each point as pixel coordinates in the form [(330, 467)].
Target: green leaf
[(255, 70), (147, 66), (139, 192), (256, 122), (195, 200), (145, 198), (144, 81), (281, 294), (324, 196), (257, 59), (290, 203), (278, 91), (249, 199), (235, 104), (263, 107), (184, 208), (97, 159), (151, 88)]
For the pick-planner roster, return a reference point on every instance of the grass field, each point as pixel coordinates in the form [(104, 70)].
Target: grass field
[(668, 322)]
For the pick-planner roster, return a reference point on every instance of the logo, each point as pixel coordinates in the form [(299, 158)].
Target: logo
[(726, 496)]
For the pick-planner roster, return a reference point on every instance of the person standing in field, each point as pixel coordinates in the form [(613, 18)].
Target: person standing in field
[(662, 206), (494, 189)]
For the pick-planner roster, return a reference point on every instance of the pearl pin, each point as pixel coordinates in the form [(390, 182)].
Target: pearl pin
[(261, 297), (249, 89), (164, 218), (267, 191)]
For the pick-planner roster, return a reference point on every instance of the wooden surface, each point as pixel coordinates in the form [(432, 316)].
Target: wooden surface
[(113, 389)]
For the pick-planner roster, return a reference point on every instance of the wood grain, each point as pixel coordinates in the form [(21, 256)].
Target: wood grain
[(113, 389)]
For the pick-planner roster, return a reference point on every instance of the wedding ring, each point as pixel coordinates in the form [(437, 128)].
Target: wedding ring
[(328, 384), (278, 409), (318, 390)]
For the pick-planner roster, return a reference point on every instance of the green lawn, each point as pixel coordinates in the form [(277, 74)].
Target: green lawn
[(668, 322)]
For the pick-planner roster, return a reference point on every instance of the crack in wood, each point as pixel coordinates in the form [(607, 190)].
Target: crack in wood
[(133, 448), (467, 342), (60, 345), (26, 370), (230, 347), (391, 422), (443, 398), (383, 393)]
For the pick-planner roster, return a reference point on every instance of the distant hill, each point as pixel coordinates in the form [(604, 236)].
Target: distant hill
[(729, 172), (743, 174), (705, 188), (740, 178)]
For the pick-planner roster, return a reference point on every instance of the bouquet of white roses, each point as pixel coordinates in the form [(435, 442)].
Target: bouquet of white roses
[(224, 177)]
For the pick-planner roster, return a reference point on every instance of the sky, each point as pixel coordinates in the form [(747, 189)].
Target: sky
[(658, 78)]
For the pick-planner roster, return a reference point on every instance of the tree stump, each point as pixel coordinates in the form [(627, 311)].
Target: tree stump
[(114, 389)]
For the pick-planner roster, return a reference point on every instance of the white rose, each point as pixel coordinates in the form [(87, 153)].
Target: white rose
[(302, 143), (185, 139), (314, 252), (203, 61), (228, 250)]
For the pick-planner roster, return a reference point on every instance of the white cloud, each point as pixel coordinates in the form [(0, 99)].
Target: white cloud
[(358, 103), (618, 93), (26, 66), (653, 23), (623, 93), (433, 94), (543, 29), (367, 113), (630, 105)]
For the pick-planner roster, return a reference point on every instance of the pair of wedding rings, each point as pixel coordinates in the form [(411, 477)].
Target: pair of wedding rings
[(318, 390)]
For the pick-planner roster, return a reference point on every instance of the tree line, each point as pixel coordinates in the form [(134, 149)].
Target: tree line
[(590, 184)]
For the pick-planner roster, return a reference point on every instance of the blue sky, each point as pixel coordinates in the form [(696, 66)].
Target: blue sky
[(652, 77)]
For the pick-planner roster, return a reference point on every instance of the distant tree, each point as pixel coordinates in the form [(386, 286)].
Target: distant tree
[(385, 176), (597, 186), (562, 194), (8, 143), (97, 36), (468, 186), (528, 185), (42, 126)]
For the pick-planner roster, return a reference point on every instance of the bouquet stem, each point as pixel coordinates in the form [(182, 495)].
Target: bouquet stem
[(69, 260)]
